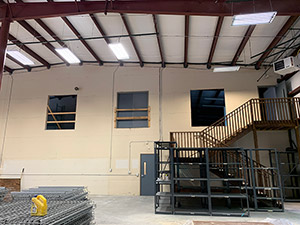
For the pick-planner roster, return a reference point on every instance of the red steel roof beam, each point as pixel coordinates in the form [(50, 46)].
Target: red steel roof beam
[(100, 29), (3, 45), (74, 30), (18, 62), (102, 32), (38, 36), (132, 40), (276, 40), (215, 41), (186, 40), (47, 29), (88, 47), (28, 51), (159, 41), (243, 44), (36, 10), (9, 70), (50, 32)]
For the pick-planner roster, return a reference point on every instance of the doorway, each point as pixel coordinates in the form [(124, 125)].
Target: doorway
[(147, 175)]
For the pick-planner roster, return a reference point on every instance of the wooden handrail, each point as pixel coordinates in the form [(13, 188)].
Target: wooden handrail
[(272, 112)]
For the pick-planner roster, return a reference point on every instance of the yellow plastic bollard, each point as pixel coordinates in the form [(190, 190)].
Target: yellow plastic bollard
[(39, 206)]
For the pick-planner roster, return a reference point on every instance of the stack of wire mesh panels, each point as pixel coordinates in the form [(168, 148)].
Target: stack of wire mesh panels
[(66, 205), (3, 192), (53, 193)]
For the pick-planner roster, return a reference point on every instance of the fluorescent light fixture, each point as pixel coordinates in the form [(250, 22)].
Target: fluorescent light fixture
[(20, 57), (254, 18), (119, 51), (226, 69), (67, 55)]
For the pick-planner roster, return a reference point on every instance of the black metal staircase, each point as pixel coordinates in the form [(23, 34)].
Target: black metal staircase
[(214, 181)]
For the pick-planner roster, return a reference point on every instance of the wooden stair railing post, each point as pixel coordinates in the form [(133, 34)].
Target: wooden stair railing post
[(296, 119), (255, 139)]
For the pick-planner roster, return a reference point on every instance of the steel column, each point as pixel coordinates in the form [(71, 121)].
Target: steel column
[(3, 45)]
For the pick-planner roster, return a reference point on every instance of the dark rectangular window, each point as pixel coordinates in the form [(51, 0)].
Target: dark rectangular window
[(208, 106), (61, 112), (132, 110)]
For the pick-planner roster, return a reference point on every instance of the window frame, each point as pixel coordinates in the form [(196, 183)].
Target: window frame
[(116, 110), (210, 89), (50, 113)]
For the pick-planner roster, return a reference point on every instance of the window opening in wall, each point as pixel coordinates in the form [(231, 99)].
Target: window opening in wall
[(61, 112), (207, 106), (132, 110)]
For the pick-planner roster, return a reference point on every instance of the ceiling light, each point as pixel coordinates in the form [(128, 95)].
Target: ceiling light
[(226, 69), (119, 51), (254, 18), (68, 55), (20, 57)]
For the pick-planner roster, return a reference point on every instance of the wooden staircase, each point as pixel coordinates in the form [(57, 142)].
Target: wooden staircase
[(255, 114)]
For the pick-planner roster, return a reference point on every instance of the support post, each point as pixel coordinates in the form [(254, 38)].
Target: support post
[(255, 139), (3, 44), (257, 157), (297, 139)]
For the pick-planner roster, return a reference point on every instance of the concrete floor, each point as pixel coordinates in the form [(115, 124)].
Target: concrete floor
[(135, 210)]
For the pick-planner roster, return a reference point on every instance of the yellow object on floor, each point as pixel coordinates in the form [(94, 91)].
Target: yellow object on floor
[(39, 206)]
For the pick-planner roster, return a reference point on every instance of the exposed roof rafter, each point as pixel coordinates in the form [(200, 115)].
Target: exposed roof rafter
[(186, 40), (88, 47), (159, 41), (243, 44), (100, 29), (28, 68), (276, 40), (50, 32), (215, 41), (102, 32), (47, 29), (132, 40), (75, 31), (9, 70), (21, 11), (38, 36), (28, 50)]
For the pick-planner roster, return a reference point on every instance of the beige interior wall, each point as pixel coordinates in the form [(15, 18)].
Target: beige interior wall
[(96, 154)]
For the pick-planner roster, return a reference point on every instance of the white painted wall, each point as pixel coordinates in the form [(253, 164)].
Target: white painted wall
[(84, 156), (293, 83)]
